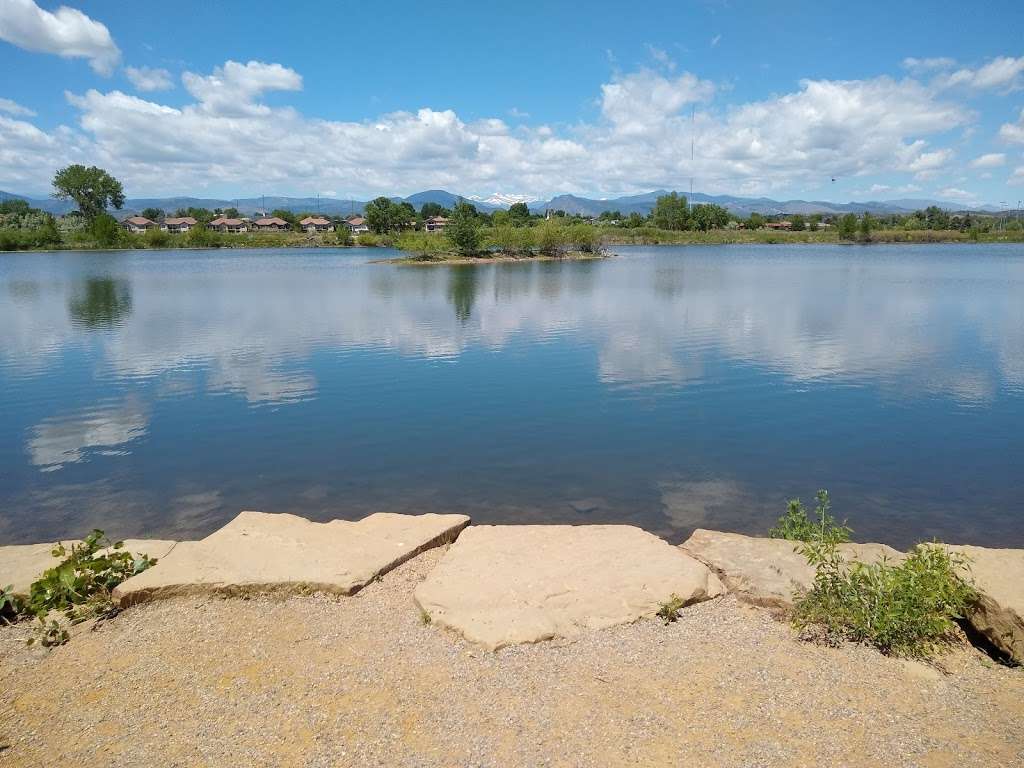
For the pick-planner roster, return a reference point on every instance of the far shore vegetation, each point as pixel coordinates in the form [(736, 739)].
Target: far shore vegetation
[(464, 234)]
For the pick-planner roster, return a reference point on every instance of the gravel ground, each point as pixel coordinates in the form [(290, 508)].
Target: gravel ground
[(361, 681)]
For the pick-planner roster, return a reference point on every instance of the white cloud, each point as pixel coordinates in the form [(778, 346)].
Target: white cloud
[(1017, 177), (67, 32), (14, 108), (643, 100), (716, 40), (233, 89), (230, 138), (147, 79), (991, 160), (1013, 132), (1001, 72), (928, 64), (952, 193)]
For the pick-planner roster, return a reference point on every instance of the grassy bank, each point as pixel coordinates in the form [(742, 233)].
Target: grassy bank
[(495, 243), (653, 236)]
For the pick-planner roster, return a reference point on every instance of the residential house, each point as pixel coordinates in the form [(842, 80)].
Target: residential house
[(784, 224), (222, 224), (178, 225), (271, 224), (316, 224), (435, 224), (137, 224), (357, 225)]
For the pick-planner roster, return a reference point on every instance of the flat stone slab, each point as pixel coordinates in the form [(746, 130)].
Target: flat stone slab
[(261, 552), (998, 576), (21, 564), (500, 585), (767, 572)]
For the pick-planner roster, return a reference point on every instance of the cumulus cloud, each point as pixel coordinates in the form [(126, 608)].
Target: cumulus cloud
[(1013, 132), (67, 32), (1001, 72), (232, 90), (229, 136), (953, 193), (147, 79), (991, 160), (1017, 177), (14, 108)]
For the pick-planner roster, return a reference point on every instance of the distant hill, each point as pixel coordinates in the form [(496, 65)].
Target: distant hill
[(742, 206), (571, 204)]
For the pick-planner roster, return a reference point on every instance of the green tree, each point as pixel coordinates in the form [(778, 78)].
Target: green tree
[(798, 223), (14, 205), (756, 221), (935, 217), (432, 209), (105, 230), (519, 213), (708, 216), (848, 227), (92, 189), (153, 214), (814, 222), (463, 229), (670, 212), (865, 227), (285, 215), (382, 215)]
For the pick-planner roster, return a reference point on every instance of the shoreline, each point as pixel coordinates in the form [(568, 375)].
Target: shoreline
[(319, 679), (455, 261), (620, 238)]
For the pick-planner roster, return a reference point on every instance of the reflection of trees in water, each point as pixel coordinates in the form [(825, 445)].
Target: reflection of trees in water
[(462, 285), (550, 278), (582, 275), (512, 280), (102, 302)]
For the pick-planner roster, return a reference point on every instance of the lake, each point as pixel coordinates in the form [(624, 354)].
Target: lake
[(159, 393)]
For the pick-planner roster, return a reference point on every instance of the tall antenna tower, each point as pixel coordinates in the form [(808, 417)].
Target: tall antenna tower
[(693, 117)]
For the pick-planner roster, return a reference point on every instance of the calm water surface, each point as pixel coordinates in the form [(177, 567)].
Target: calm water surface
[(159, 393)]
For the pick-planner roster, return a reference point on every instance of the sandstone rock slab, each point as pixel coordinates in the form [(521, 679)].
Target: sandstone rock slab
[(21, 564), (261, 552), (764, 571), (998, 576), (501, 585)]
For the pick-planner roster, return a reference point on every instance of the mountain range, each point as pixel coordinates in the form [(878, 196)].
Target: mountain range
[(571, 204)]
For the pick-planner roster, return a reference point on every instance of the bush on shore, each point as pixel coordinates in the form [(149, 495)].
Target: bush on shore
[(906, 608)]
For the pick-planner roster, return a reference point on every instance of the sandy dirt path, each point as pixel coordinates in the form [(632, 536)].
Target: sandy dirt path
[(361, 681)]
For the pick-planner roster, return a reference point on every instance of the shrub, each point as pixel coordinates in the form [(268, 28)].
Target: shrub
[(584, 238), (157, 238), (425, 245), (904, 609), (366, 238), (551, 238), (92, 568), (669, 610), (201, 237), (796, 526), (343, 236)]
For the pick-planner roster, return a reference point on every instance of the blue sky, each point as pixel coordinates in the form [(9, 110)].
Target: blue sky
[(237, 99)]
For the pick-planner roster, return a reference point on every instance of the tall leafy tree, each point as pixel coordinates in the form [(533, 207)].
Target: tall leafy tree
[(463, 229), (382, 215), (153, 214), (670, 212), (519, 213), (92, 189)]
